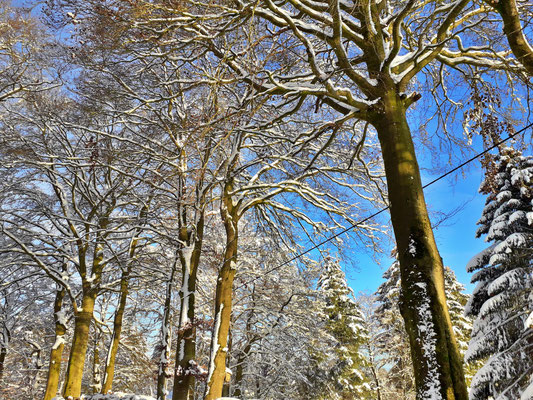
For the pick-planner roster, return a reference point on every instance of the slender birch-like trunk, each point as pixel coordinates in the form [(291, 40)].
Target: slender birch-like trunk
[(109, 373), (166, 337), (436, 358), (4, 343), (184, 378), (241, 359), (54, 369), (97, 376), (239, 369)]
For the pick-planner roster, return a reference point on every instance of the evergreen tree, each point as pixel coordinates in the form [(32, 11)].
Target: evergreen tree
[(462, 325), (503, 299), (393, 342), (344, 323)]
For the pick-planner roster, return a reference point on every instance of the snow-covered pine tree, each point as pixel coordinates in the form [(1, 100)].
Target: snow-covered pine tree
[(393, 342), (502, 302), (462, 325), (344, 323)]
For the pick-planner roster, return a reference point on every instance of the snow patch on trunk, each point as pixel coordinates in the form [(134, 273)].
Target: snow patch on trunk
[(216, 346), (428, 341), (60, 339)]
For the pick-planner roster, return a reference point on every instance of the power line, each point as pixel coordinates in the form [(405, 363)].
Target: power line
[(354, 225)]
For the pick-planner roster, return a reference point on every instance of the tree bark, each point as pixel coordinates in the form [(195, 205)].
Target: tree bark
[(184, 376), (239, 369), (436, 358), (223, 300), (109, 373), (226, 387), (3, 354), (54, 369), (514, 32), (166, 335), (97, 377), (78, 350), (375, 376), (241, 359)]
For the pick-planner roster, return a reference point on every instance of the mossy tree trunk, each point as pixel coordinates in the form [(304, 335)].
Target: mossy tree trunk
[(54, 369), (223, 299), (512, 28), (83, 316), (80, 341), (227, 377), (437, 362), (109, 373)]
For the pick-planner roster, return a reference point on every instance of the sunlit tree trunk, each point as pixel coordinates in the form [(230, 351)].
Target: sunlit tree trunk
[(80, 341), (184, 379), (514, 32), (223, 300), (227, 377), (436, 358), (56, 353), (83, 317), (109, 373)]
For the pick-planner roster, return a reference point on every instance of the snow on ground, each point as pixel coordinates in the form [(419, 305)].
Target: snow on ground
[(114, 396)]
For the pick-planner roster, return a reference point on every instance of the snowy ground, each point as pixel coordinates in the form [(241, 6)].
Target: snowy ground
[(124, 396), (115, 396)]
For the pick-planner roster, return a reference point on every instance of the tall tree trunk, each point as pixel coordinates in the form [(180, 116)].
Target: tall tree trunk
[(97, 376), (223, 300), (4, 343), (3, 354), (227, 377), (37, 366), (109, 373), (239, 369), (56, 353), (241, 359), (184, 377), (80, 341), (437, 362), (514, 32), (374, 372), (166, 337)]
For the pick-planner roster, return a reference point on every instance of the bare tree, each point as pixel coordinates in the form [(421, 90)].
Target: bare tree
[(76, 209), (361, 59)]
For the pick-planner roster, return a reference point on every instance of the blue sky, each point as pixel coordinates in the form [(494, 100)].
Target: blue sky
[(455, 236)]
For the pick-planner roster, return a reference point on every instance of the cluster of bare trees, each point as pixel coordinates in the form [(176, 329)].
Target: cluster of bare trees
[(145, 142)]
